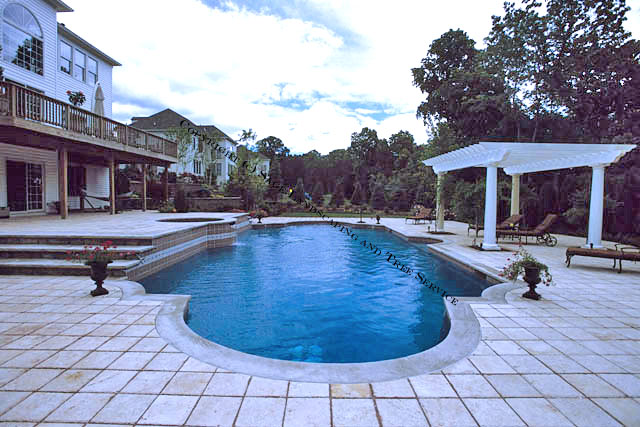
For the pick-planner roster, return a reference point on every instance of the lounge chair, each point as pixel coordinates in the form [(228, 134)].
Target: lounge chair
[(627, 253), (508, 224), (424, 214), (541, 232)]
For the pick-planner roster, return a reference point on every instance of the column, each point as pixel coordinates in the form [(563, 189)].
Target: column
[(112, 184), (490, 208), (144, 187), (63, 181), (596, 207), (439, 203), (515, 194), (165, 184)]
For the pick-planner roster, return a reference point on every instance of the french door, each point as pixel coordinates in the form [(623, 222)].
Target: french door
[(24, 186)]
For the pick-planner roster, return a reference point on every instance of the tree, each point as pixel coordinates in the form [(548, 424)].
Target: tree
[(248, 137), (272, 147), (362, 143), (462, 87), (298, 191), (318, 194), (377, 199), (337, 198), (356, 196), (400, 200), (275, 180), (187, 153)]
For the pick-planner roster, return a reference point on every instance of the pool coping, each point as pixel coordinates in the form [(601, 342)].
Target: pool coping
[(463, 337)]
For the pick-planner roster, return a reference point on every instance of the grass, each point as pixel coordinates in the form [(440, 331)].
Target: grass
[(340, 215)]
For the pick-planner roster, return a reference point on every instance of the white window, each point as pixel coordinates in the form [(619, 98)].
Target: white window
[(197, 167), (218, 169), (65, 57), (22, 38), (92, 71), (79, 66)]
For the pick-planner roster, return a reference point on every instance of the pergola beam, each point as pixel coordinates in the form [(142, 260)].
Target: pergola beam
[(521, 158)]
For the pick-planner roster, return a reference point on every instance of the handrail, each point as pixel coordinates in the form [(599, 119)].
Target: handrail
[(20, 102)]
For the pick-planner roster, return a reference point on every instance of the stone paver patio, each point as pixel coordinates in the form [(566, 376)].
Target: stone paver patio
[(571, 359)]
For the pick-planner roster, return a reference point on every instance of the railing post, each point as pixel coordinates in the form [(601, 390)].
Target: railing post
[(67, 116), (14, 109), (146, 141), (126, 135)]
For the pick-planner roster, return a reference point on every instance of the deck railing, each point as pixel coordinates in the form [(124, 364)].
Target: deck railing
[(17, 101)]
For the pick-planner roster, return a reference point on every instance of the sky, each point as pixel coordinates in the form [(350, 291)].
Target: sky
[(310, 72)]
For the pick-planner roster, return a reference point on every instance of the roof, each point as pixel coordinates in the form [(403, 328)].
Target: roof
[(168, 118), (73, 37), (519, 158), (212, 130), (159, 121), (59, 6)]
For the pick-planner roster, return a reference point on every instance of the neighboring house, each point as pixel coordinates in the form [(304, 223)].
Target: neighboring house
[(196, 156), (263, 162), (49, 149)]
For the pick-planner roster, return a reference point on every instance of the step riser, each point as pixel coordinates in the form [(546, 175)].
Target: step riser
[(62, 271), (47, 255), (74, 241)]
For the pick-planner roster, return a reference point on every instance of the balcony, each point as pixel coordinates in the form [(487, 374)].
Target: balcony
[(33, 111)]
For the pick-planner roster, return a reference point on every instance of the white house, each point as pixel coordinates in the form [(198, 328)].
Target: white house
[(49, 149), (197, 156)]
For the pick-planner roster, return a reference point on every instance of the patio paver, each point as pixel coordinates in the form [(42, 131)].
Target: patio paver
[(572, 358)]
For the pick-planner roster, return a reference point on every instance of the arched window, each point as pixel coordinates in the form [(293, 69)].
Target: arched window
[(22, 38)]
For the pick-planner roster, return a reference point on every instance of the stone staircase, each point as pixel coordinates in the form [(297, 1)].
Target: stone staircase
[(46, 255)]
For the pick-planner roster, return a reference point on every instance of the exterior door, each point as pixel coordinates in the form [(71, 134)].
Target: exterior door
[(24, 185)]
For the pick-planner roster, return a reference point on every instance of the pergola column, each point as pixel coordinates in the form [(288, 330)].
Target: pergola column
[(112, 184), (515, 194), (439, 203), (63, 181), (490, 208), (144, 187), (596, 207)]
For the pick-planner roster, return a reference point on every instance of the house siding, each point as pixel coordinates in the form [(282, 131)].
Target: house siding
[(45, 16), (47, 158), (67, 82)]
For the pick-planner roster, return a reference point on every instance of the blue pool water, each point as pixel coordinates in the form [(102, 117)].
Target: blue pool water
[(310, 293)]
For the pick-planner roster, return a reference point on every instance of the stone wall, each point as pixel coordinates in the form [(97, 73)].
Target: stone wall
[(209, 204)]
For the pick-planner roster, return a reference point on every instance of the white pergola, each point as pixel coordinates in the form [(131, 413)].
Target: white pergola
[(520, 158)]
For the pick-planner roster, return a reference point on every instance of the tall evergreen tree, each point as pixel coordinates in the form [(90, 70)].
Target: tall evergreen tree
[(357, 197), (298, 191), (377, 199), (318, 194), (337, 198), (275, 180)]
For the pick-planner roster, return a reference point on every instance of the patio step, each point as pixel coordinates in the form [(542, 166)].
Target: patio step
[(41, 251), (59, 267), (73, 240)]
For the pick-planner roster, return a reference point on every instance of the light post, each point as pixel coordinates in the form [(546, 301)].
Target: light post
[(361, 221)]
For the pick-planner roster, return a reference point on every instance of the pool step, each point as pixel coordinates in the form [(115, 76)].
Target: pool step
[(38, 251), (73, 240), (60, 267)]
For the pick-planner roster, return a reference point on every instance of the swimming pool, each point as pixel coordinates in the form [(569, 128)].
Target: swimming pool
[(309, 293)]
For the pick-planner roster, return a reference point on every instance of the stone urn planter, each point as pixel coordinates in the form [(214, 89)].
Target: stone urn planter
[(532, 277), (99, 273), (532, 270)]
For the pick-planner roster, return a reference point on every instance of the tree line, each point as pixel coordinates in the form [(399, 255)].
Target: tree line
[(554, 71)]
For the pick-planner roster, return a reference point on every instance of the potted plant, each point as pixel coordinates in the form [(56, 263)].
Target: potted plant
[(98, 258), (533, 272), (259, 213), (76, 98)]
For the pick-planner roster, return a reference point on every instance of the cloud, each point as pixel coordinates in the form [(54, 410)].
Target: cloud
[(310, 72)]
